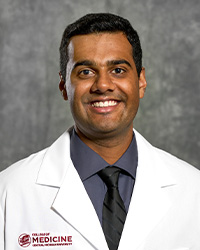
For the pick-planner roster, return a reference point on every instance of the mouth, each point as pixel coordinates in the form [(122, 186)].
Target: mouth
[(104, 104)]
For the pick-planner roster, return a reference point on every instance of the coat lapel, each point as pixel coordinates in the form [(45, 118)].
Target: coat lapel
[(150, 201), (74, 205), (71, 202)]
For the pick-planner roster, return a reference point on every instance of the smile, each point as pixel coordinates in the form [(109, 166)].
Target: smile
[(104, 104)]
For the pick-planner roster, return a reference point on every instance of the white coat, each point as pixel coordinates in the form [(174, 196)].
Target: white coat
[(43, 204)]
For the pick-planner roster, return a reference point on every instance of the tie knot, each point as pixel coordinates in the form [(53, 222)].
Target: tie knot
[(110, 176)]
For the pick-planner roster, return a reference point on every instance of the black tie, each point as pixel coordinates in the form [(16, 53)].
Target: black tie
[(114, 213)]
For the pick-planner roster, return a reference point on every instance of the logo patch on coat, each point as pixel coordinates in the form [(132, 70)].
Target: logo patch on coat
[(44, 240), (24, 240)]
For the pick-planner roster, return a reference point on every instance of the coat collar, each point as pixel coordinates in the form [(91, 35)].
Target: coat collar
[(149, 202), (55, 163)]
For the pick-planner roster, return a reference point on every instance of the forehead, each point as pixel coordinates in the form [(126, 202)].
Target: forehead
[(100, 46)]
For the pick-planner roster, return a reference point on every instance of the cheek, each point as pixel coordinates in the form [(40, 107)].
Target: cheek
[(76, 99), (80, 89), (72, 87), (131, 90), (70, 92)]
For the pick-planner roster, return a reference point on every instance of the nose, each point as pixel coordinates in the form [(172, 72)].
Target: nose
[(103, 83)]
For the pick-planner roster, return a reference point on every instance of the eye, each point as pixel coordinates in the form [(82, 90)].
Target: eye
[(118, 71), (86, 72)]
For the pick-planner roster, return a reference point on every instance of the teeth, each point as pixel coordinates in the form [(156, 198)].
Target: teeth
[(104, 104)]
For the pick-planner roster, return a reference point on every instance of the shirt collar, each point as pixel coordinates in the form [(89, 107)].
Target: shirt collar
[(87, 162)]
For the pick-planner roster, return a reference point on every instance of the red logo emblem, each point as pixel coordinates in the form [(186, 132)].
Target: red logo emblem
[(24, 240)]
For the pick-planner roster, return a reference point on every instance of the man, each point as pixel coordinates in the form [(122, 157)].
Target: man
[(101, 185)]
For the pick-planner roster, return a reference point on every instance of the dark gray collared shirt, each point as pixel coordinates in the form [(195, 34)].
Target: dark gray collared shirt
[(88, 163)]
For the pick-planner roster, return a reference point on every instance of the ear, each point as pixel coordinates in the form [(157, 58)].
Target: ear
[(62, 87), (142, 83)]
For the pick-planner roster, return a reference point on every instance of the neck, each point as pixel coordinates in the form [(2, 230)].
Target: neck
[(109, 148)]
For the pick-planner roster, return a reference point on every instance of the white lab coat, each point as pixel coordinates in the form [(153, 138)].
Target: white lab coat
[(43, 196)]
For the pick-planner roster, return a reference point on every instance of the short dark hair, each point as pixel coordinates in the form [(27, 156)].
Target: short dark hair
[(98, 23)]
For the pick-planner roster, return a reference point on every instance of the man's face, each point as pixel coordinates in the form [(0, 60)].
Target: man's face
[(102, 84)]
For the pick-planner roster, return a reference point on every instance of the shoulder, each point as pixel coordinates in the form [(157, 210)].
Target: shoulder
[(26, 170), (21, 171), (178, 168)]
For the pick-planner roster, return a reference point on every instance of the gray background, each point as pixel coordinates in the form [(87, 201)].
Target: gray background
[(33, 114)]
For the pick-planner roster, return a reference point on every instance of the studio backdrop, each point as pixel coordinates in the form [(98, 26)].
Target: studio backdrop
[(32, 111)]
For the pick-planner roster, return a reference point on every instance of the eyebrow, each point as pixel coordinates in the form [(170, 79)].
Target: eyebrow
[(109, 63), (83, 63), (116, 62)]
